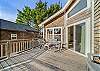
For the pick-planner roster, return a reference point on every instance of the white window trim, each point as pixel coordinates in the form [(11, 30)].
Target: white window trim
[(13, 35), (88, 6), (92, 27), (53, 32)]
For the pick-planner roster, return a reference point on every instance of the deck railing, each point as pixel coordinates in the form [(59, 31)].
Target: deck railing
[(10, 47)]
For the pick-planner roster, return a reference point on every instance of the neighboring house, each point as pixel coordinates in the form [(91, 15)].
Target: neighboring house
[(72, 25), (10, 31), (14, 37)]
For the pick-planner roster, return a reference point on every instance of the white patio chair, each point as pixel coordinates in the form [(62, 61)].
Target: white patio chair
[(52, 43)]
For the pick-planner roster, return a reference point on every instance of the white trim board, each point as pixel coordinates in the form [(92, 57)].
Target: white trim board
[(77, 52)]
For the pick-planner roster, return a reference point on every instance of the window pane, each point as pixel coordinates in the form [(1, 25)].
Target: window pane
[(50, 37), (13, 36), (49, 31), (70, 37), (57, 31), (80, 38), (81, 5), (58, 37)]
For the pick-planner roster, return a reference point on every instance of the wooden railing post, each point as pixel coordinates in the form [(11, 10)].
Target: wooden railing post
[(30, 44), (8, 49)]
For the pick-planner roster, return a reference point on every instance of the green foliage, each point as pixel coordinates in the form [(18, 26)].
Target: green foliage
[(53, 9), (25, 16), (33, 17)]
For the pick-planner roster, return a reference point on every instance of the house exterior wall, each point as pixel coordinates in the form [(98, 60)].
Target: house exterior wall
[(84, 15), (59, 21), (80, 16), (6, 34), (96, 16)]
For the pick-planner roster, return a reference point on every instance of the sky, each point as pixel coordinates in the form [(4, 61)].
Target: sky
[(8, 8)]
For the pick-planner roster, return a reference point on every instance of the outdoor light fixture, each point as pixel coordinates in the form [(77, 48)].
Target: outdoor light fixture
[(96, 58)]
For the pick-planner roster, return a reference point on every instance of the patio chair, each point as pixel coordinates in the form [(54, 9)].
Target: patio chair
[(52, 43), (63, 46)]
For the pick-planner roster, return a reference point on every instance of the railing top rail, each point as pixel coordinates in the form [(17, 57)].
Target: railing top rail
[(14, 40)]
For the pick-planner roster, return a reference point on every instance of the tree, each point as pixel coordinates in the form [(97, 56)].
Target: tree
[(39, 13), (33, 17), (53, 9), (25, 16)]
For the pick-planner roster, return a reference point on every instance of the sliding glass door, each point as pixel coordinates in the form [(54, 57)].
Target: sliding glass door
[(76, 37), (80, 38), (71, 37)]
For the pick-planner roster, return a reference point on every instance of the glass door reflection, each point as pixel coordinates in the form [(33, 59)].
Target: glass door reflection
[(70, 37), (80, 38)]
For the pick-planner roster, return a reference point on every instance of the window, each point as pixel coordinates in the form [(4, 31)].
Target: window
[(57, 34), (57, 31), (81, 5), (54, 33), (13, 36)]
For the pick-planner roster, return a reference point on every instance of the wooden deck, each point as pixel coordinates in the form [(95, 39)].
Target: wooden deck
[(66, 60)]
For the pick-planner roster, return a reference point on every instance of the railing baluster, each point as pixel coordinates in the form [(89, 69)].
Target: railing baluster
[(1, 50), (25, 45), (16, 47), (12, 47), (22, 45), (6, 49), (28, 45)]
